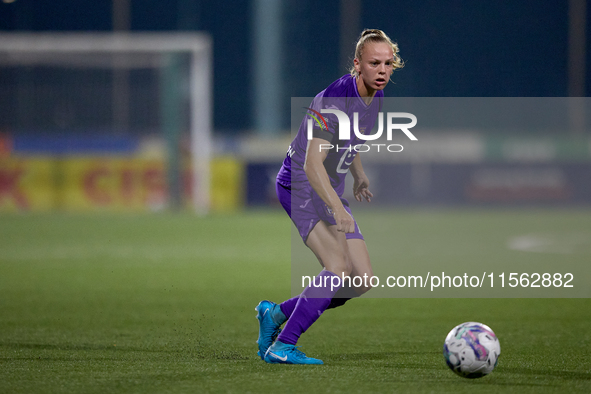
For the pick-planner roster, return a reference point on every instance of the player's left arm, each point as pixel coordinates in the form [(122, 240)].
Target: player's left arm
[(361, 181)]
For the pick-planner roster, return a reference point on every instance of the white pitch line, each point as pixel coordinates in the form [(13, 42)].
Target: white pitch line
[(551, 243)]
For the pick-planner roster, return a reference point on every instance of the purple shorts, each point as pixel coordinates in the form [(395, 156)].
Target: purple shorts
[(306, 209)]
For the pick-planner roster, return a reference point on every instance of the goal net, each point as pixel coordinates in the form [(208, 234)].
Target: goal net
[(146, 95)]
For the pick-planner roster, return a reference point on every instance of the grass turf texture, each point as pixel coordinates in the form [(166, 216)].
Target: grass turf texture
[(165, 303)]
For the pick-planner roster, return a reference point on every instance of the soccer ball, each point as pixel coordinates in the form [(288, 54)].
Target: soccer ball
[(471, 350)]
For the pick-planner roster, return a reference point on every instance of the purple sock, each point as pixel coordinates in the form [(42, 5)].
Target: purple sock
[(288, 306), (310, 305)]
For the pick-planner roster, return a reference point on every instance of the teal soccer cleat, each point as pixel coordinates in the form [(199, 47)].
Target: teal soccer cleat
[(268, 329), (282, 353)]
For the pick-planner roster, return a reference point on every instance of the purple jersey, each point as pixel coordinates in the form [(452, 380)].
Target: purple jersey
[(343, 95)]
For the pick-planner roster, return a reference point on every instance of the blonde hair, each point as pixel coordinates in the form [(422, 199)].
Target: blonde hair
[(375, 35)]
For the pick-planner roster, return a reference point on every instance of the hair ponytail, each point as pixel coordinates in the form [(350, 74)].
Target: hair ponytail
[(376, 35)]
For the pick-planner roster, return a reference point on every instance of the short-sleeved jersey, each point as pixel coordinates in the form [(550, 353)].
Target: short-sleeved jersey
[(344, 96)]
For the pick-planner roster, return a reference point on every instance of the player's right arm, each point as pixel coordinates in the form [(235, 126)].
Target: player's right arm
[(320, 182)]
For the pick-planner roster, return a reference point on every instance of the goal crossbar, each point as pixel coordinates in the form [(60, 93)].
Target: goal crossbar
[(19, 48)]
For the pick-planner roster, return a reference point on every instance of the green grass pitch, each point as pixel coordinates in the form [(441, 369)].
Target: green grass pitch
[(164, 303)]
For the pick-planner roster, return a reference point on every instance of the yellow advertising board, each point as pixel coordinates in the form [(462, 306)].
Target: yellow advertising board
[(114, 184), (227, 184), (27, 184), (107, 184)]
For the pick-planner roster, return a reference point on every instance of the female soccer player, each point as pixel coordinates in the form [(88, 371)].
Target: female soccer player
[(310, 186)]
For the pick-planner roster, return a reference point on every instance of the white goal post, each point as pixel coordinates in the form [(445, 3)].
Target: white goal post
[(146, 49)]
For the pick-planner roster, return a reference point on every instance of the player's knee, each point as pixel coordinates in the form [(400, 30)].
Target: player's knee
[(342, 270), (365, 281), (340, 265), (347, 264)]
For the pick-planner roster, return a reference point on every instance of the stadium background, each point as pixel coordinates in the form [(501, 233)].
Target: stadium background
[(108, 284), (70, 157)]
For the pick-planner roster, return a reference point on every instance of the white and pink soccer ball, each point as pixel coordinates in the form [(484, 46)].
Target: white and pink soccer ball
[(471, 350)]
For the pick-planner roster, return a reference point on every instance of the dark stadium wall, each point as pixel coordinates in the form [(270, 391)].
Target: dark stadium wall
[(451, 48)]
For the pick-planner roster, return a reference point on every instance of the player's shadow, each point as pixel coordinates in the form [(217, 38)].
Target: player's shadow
[(564, 375), (391, 357), (377, 356)]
